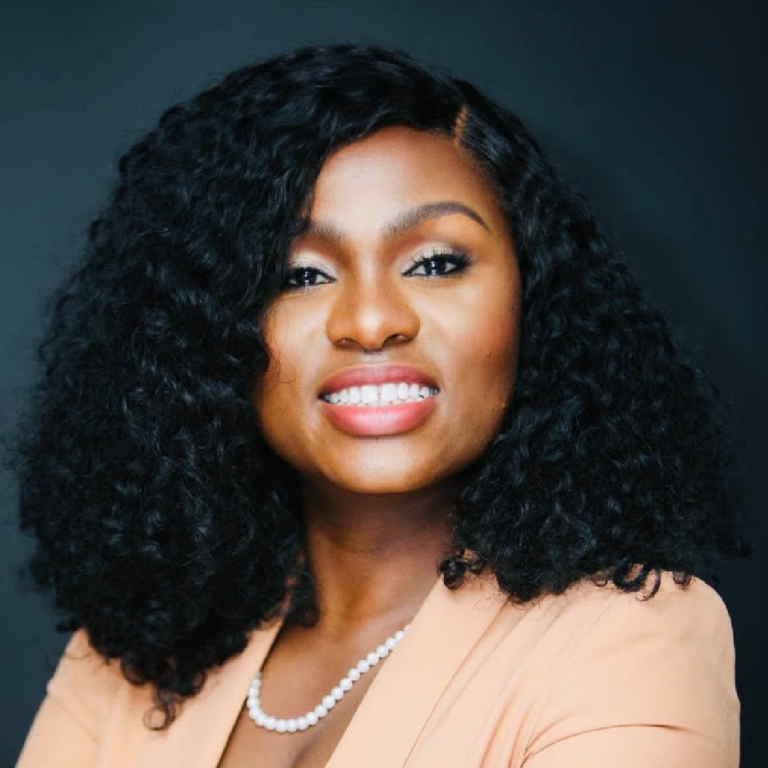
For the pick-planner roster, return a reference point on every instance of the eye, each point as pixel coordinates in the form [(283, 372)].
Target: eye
[(304, 277), (438, 262)]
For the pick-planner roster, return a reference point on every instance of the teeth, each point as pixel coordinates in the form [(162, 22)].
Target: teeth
[(386, 394), (389, 393)]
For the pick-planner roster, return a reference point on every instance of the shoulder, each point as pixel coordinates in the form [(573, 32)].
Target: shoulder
[(592, 614), (679, 636), (679, 630), (84, 683), (643, 663), (70, 722), (682, 612)]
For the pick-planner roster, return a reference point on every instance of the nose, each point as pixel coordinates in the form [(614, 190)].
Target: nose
[(371, 311)]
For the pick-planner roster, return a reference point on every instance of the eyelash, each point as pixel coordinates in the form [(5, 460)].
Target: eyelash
[(441, 255)]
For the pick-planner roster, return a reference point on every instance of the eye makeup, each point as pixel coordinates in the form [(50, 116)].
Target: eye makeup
[(445, 260)]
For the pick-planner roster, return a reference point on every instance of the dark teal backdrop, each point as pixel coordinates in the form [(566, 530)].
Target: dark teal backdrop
[(657, 108)]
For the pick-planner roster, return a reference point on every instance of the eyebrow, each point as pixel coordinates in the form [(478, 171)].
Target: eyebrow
[(401, 222)]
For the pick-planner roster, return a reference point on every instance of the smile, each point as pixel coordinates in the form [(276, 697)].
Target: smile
[(372, 396)]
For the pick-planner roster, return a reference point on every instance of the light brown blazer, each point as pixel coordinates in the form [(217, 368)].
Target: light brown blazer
[(588, 679)]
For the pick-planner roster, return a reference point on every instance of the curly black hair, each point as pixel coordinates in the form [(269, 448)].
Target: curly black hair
[(166, 526)]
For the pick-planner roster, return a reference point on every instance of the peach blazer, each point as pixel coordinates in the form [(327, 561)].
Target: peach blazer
[(591, 678)]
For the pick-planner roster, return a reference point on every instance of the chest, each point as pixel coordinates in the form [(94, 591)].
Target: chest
[(250, 746), (452, 695)]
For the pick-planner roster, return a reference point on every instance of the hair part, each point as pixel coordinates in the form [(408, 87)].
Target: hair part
[(458, 124)]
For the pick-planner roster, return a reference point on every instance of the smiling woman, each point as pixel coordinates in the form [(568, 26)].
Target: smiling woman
[(356, 444)]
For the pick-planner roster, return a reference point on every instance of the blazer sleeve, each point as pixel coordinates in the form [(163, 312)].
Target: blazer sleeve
[(652, 682), (65, 730)]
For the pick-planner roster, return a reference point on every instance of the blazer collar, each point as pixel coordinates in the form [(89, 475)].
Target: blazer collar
[(395, 708)]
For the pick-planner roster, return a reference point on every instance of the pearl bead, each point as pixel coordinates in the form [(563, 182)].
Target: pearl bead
[(291, 725)]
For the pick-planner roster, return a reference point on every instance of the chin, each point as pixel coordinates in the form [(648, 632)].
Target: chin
[(379, 482)]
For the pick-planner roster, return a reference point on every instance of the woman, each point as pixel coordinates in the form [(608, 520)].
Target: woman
[(349, 373)]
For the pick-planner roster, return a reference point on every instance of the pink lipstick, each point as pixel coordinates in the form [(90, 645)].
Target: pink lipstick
[(363, 406)]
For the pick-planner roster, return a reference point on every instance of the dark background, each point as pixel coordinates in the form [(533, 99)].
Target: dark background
[(657, 109)]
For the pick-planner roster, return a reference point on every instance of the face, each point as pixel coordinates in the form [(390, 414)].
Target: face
[(405, 283)]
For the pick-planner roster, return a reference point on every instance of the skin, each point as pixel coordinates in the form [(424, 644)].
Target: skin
[(376, 508)]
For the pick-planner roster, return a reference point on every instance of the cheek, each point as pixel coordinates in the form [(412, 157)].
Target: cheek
[(487, 365), (277, 388), (283, 398)]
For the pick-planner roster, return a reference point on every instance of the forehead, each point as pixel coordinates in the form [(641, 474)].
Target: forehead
[(398, 167)]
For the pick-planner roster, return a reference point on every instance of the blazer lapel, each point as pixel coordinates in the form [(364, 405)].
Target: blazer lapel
[(396, 707), (198, 738)]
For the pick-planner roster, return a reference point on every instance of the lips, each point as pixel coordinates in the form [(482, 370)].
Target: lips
[(378, 420), (379, 374)]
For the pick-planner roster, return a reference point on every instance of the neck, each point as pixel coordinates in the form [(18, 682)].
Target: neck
[(374, 557)]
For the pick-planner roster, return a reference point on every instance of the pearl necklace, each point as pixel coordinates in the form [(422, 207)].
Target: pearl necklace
[(313, 717)]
